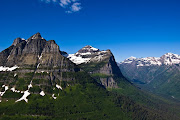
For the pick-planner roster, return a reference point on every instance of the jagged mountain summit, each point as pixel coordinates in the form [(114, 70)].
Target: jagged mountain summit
[(33, 63), (87, 54), (33, 51), (160, 75), (100, 64), (166, 59)]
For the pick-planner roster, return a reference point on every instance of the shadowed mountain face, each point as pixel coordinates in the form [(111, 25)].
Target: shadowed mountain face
[(159, 75)]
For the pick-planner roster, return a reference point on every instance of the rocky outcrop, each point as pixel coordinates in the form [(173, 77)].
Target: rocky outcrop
[(109, 82)]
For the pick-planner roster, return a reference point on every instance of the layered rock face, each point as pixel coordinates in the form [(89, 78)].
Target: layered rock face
[(31, 52), (35, 62), (160, 75), (100, 64)]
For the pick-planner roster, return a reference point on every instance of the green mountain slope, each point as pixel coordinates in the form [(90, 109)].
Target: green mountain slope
[(38, 82), (162, 78), (102, 66)]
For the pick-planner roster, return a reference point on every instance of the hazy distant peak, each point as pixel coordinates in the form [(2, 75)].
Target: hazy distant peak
[(166, 59)]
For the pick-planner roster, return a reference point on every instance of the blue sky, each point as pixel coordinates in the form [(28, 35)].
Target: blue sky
[(139, 28)]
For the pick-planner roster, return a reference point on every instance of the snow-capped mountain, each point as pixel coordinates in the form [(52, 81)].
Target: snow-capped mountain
[(158, 74), (100, 64), (87, 54), (166, 59)]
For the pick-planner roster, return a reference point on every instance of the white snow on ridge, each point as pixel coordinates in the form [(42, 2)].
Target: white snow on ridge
[(170, 58), (95, 49), (2, 68), (78, 60), (91, 54), (87, 53), (129, 60), (24, 97), (88, 47), (167, 59)]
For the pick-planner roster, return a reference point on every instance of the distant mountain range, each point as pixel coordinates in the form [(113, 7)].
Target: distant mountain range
[(160, 75), (38, 81)]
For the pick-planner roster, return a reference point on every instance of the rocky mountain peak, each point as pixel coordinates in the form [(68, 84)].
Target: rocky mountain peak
[(166, 59), (36, 36), (88, 48), (98, 63), (28, 52), (51, 47), (88, 54), (170, 58), (17, 41)]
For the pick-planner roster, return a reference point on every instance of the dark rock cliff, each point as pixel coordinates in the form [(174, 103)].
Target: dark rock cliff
[(39, 61)]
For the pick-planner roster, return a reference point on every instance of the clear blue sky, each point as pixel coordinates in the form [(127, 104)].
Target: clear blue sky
[(137, 28)]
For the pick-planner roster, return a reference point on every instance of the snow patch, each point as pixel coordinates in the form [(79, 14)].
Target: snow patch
[(58, 86), (40, 56), (42, 93), (129, 60), (15, 74), (77, 59), (87, 53), (2, 68), (166, 59), (6, 88), (16, 91), (30, 86), (13, 89), (53, 96), (24, 97), (38, 65)]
